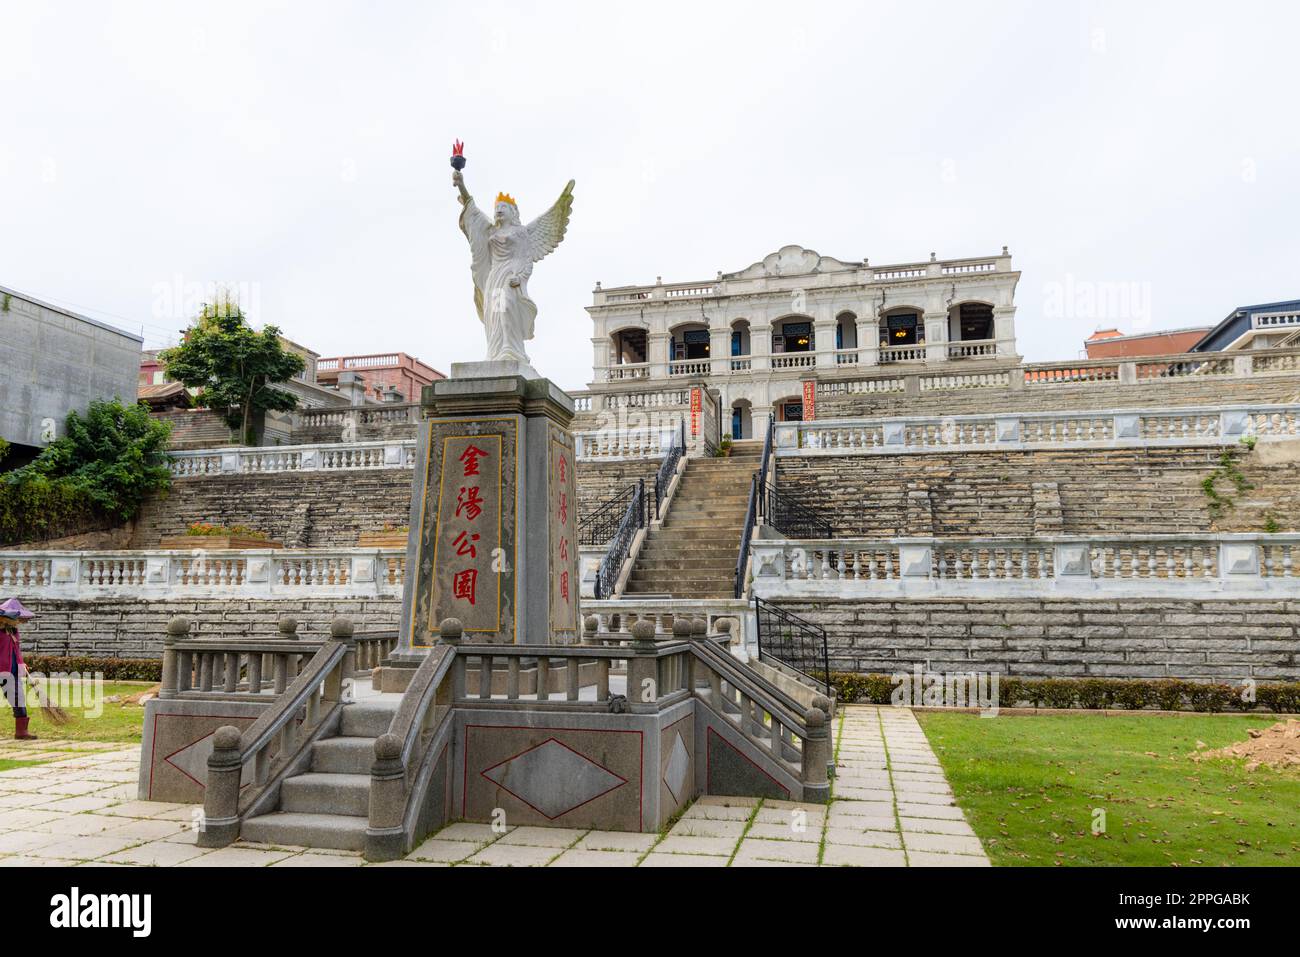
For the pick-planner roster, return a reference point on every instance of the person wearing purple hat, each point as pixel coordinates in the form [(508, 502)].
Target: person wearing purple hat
[(12, 669)]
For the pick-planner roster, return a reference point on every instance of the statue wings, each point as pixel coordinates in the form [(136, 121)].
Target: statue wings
[(547, 230)]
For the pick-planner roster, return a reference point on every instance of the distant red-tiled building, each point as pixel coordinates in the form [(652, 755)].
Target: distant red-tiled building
[(1113, 344), (386, 375)]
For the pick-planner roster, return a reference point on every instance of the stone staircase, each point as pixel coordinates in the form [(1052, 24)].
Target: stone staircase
[(692, 554), (328, 805)]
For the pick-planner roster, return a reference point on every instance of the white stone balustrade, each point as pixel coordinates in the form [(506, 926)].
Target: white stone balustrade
[(329, 456), (198, 573), (1103, 565), (1176, 426)]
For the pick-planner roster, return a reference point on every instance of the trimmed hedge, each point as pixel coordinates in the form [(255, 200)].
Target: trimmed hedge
[(1165, 694), (113, 669)]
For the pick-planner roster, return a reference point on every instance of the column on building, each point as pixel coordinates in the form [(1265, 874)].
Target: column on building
[(824, 334), (657, 344), (936, 336), (868, 336), (1004, 329)]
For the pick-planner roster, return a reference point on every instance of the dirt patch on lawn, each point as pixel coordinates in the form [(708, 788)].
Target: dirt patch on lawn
[(1277, 746)]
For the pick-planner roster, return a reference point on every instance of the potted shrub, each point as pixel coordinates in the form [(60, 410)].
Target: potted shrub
[(209, 535), (390, 536)]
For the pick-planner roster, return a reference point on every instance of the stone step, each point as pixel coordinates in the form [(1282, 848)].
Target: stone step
[(677, 564), (368, 719), (343, 755), (319, 793), (341, 832)]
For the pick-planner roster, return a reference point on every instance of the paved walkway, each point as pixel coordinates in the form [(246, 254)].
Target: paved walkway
[(892, 807)]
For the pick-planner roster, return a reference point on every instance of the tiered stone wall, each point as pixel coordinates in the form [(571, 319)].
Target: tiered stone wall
[(298, 509), (1039, 492), (1188, 390), (1229, 640), (330, 508), (134, 629)]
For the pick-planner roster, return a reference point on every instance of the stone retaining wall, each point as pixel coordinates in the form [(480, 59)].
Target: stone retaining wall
[(1041, 492), (1229, 640), (134, 629)]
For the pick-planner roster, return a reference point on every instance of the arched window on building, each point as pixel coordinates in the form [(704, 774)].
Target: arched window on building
[(970, 322), (627, 346), (793, 335), (901, 327), (690, 341), (846, 331), (742, 420)]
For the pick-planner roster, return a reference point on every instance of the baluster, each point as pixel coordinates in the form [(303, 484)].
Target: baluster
[(544, 679), (602, 679), (512, 678), (255, 673), (232, 672), (485, 677), (205, 671), (572, 675)]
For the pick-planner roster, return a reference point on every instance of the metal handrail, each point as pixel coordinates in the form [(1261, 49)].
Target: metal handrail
[(795, 642), (755, 507), (634, 517), (668, 467), (602, 524), (792, 519), (742, 559)]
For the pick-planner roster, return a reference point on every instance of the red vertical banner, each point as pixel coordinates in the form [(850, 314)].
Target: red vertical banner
[(696, 404), (809, 401)]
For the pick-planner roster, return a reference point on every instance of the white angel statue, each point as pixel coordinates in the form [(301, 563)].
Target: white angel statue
[(502, 255)]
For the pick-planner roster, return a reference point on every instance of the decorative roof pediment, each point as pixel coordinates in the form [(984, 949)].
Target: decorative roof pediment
[(791, 261)]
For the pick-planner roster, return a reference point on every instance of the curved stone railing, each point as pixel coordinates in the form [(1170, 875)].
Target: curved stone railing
[(268, 749), (199, 573), (1176, 426), (1109, 565)]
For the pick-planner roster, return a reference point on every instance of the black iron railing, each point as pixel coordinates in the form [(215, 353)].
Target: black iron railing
[(792, 641), (632, 521), (753, 510), (742, 559), (792, 519), (668, 467), (602, 524)]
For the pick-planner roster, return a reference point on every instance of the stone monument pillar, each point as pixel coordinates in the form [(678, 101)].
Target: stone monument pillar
[(493, 538)]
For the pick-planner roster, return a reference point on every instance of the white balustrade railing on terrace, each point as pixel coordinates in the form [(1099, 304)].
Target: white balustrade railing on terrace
[(689, 367), (902, 354), (1133, 565), (217, 573), (793, 360), (1170, 427), (621, 443), (333, 456), (361, 415)]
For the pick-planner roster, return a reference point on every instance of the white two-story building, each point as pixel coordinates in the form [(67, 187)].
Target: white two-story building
[(760, 335)]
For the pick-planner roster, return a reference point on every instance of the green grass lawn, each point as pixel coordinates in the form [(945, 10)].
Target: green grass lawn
[(1029, 785), (117, 722)]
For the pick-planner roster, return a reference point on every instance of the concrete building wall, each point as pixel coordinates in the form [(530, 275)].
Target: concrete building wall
[(55, 361)]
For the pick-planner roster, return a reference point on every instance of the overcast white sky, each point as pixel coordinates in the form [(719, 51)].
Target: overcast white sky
[(299, 151)]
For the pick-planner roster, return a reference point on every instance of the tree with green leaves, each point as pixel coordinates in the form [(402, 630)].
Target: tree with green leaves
[(236, 366), (99, 472)]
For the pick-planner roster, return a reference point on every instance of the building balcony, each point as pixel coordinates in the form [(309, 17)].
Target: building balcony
[(627, 370), (698, 367), (793, 360), (973, 349), (892, 354)]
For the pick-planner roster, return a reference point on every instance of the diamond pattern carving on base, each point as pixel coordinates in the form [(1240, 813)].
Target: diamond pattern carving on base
[(553, 779)]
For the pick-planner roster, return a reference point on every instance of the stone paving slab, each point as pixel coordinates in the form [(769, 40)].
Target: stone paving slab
[(891, 807)]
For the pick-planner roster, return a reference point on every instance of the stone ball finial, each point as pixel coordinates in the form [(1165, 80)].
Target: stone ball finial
[(388, 747), (643, 630), (822, 703), (700, 626), (683, 628), (226, 738), (723, 625), (341, 627), (592, 624), (178, 626), (450, 629), (288, 626), (814, 717)]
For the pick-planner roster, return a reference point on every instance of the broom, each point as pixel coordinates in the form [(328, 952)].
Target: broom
[(52, 712)]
